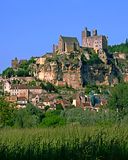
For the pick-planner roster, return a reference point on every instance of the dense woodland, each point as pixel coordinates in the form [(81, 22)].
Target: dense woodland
[(123, 47)]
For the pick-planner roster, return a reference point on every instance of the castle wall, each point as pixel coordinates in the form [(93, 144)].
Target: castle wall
[(96, 42)]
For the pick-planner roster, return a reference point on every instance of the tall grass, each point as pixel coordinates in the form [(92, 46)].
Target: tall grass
[(65, 143)]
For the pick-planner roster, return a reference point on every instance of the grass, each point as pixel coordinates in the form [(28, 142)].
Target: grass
[(72, 142)]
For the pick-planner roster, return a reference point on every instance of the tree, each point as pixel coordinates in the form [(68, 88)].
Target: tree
[(118, 98), (126, 42), (22, 73), (6, 113), (30, 116), (9, 72), (50, 87), (52, 119)]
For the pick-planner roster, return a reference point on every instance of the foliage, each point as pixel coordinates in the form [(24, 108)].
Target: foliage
[(30, 116), (123, 47), (59, 107), (94, 59), (90, 88), (52, 119), (119, 97), (6, 113), (15, 81), (22, 72), (49, 87), (32, 83), (91, 118), (31, 61), (9, 72)]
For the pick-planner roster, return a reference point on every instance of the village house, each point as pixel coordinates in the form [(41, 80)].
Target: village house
[(35, 90), (40, 105), (34, 98), (6, 86), (22, 79), (19, 90), (11, 99), (21, 102)]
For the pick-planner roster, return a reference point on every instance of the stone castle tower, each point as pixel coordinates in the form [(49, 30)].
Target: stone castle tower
[(95, 41), (15, 63)]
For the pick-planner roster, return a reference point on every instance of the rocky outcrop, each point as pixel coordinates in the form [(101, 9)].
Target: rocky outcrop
[(78, 69)]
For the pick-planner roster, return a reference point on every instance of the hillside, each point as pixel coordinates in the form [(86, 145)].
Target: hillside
[(123, 48), (75, 69)]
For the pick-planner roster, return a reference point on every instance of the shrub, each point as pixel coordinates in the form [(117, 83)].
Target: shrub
[(52, 119)]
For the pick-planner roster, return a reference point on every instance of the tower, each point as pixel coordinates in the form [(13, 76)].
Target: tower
[(85, 35), (15, 63), (94, 32)]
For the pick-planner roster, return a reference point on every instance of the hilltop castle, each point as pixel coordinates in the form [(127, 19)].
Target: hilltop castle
[(94, 41)]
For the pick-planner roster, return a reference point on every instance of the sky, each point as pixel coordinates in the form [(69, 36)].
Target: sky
[(31, 27)]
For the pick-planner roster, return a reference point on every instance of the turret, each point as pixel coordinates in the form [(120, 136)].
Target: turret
[(94, 32)]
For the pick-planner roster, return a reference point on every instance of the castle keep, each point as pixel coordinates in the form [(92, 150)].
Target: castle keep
[(95, 41)]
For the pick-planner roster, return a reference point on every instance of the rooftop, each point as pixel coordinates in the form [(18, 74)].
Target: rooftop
[(69, 39)]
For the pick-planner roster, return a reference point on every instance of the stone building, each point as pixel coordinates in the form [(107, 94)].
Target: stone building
[(35, 90), (95, 41), (68, 44), (19, 91), (6, 86), (15, 63)]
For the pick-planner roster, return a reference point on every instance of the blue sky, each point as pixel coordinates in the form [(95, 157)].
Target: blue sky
[(30, 27)]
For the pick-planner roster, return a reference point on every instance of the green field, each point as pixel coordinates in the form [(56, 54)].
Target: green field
[(72, 142)]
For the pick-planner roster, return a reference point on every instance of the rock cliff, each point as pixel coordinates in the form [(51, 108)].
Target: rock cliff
[(78, 68)]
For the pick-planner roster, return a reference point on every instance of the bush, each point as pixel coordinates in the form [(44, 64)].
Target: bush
[(52, 119)]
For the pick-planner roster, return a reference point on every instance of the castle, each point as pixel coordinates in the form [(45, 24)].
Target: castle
[(94, 41), (16, 63)]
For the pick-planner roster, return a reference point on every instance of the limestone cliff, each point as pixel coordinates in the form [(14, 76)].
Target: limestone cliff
[(79, 68)]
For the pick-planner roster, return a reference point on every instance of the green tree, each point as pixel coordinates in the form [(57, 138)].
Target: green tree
[(28, 117), (22, 73), (6, 113), (32, 83), (52, 119), (9, 72), (119, 97), (50, 87)]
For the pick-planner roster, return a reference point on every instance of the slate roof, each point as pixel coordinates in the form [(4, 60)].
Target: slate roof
[(69, 39)]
